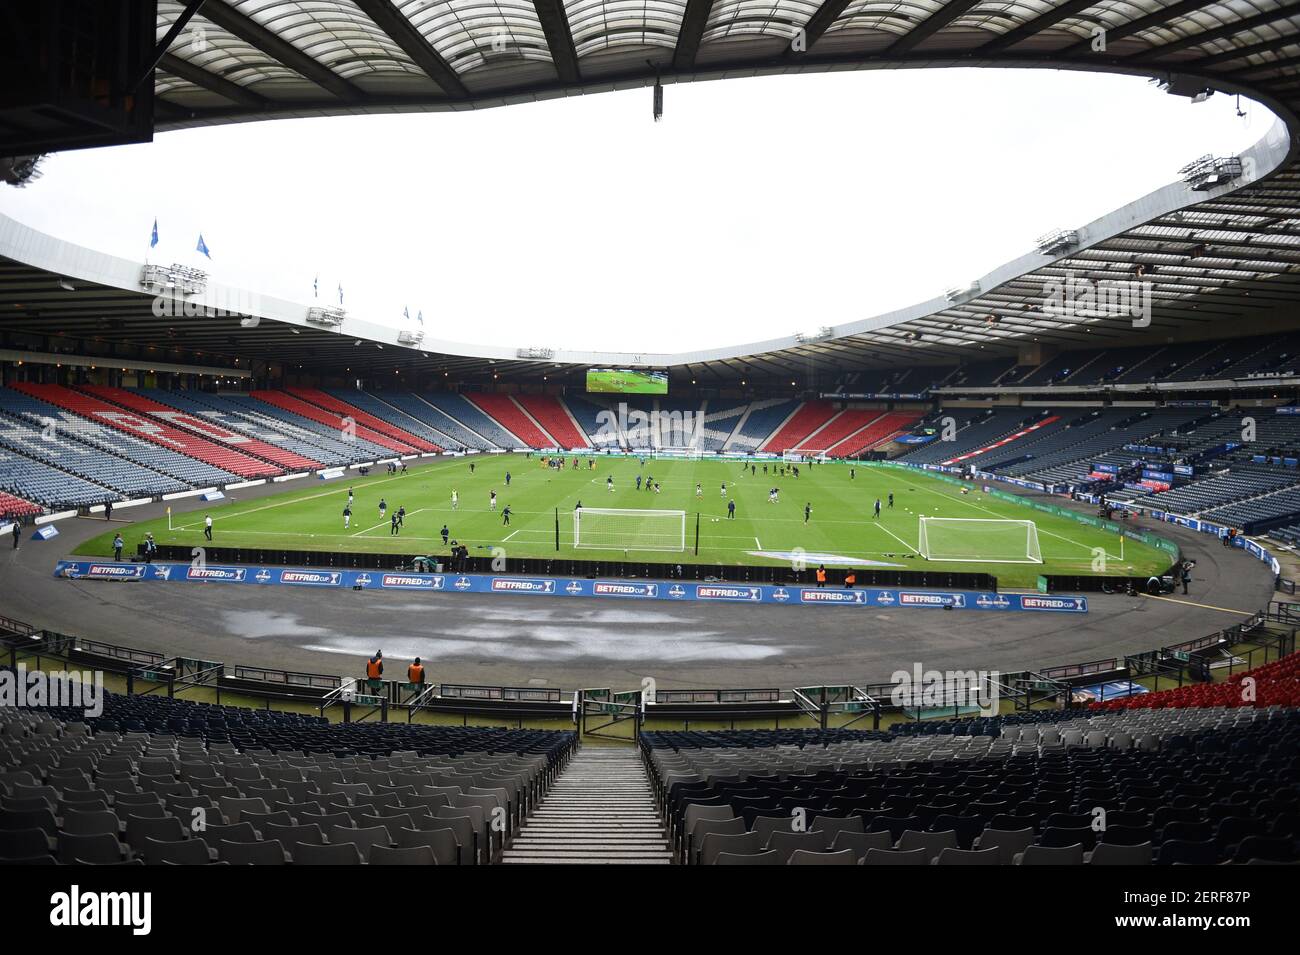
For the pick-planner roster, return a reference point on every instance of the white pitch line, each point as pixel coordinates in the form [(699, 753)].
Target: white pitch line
[(758, 543), (508, 536)]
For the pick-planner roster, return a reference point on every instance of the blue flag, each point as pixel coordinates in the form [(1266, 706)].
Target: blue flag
[(420, 318), (153, 240), (315, 287), (406, 313), (203, 247), (340, 293)]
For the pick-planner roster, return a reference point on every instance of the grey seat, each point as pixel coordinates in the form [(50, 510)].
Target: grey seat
[(442, 842), (932, 842), (785, 843), (896, 857), (833, 826), (410, 855), (757, 858), (335, 854), (1109, 854), (1051, 855), (140, 828), (1009, 843), (234, 808), (805, 857), (714, 844), (91, 823), (267, 852), (363, 839), (291, 835), (185, 852), (98, 849), (703, 828), (950, 856)]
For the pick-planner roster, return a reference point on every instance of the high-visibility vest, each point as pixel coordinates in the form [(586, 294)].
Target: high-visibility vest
[(821, 576), (374, 669), (851, 579), (415, 673)]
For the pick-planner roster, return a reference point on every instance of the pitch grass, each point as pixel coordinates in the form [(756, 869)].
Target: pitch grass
[(309, 516)]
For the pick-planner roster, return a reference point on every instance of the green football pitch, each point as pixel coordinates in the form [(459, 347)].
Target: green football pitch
[(840, 531)]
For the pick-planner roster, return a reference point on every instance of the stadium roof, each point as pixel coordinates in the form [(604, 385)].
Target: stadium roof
[(1219, 255)]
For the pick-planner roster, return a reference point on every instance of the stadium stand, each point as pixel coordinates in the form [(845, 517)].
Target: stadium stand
[(383, 411), (273, 787), (470, 417), (758, 423), (150, 429), (239, 413), (807, 419), (22, 477), (1178, 785), (512, 418), (876, 432), (551, 414), (137, 401), (719, 423), (330, 402), (15, 507), (163, 460), (331, 420)]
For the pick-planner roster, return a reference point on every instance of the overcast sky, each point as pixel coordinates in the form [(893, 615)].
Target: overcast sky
[(756, 208)]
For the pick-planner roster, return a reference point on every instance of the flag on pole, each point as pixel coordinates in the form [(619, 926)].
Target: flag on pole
[(420, 318), (153, 239), (406, 313), (203, 247), (340, 293), (315, 287)]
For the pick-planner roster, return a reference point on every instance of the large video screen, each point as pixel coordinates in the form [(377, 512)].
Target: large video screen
[(624, 381)]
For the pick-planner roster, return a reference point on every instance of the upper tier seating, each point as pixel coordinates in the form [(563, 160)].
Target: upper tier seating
[(241, 413), (810, 416), (137, 401), (333, 420), (345, 407), (310, 432), (378, 407), (470, 417), (184, 468), (150, 429), (504, 410), (551, 413)]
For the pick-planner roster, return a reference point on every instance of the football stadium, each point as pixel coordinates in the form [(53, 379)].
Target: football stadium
[(1004, 577)]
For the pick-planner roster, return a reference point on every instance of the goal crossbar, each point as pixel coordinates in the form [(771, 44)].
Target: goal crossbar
[(629, 528), (982, 540)]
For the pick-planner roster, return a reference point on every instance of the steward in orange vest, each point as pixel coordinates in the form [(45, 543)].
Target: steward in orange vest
[(415, 673), (375, 666), (821, 576), (850, 579)]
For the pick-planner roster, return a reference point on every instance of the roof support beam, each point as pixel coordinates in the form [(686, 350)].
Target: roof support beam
[(555, 24), (402, 32), (819, 23), (283, 52), (187, 12), (929, 26), (1220, 33), (1123, 30), (210, 81), (688, 40), (1035, 26)]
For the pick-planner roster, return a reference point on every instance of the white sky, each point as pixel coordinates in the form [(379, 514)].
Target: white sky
[(756, 208)]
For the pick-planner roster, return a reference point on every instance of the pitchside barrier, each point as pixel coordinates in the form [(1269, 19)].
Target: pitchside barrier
[(670, 590), (783, 574)]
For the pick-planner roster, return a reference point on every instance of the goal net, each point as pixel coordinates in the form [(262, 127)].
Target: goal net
[(602, 528), (804, 454), (981, 540), (684, 454)]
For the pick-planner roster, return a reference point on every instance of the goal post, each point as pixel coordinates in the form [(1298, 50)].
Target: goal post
[(804, 455), (979, 540), (679, 453), (617, 528)]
